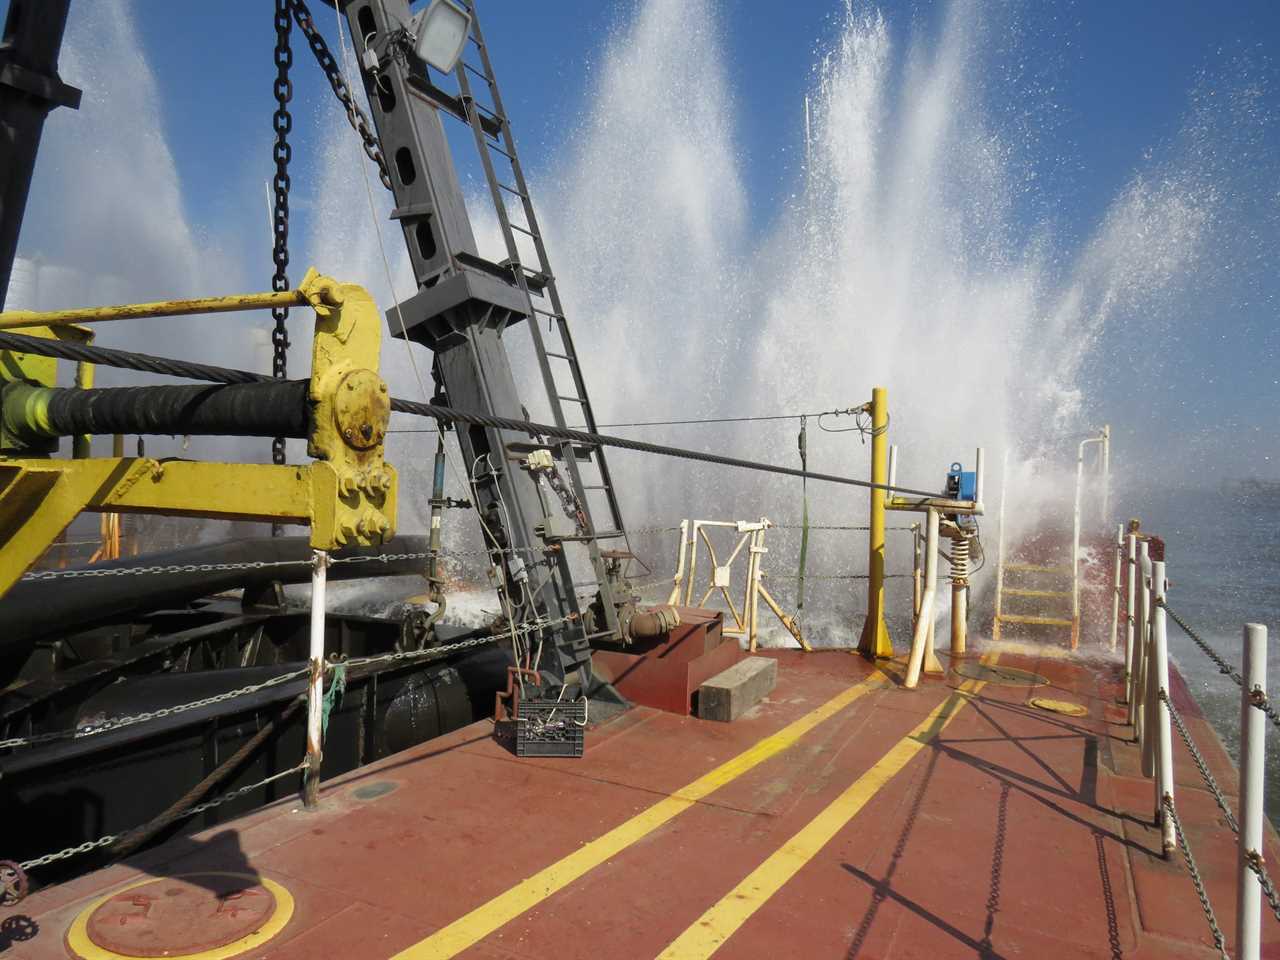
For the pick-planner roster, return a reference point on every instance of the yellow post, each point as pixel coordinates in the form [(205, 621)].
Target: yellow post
[(875, 642)]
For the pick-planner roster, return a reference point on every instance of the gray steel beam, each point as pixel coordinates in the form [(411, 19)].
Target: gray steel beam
[(29, 88), (462, 308)]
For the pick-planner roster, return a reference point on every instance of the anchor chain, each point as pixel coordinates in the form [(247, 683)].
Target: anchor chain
[(358, 119), (282, 153)]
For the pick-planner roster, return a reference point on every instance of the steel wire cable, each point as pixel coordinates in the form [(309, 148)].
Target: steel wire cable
[(195, 371)]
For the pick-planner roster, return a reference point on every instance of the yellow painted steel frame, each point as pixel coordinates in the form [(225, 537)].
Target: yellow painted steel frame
[(347, 495)]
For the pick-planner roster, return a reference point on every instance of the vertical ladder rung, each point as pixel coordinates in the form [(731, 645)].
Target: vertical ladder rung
[(572, 399), (525, 231), (559, 356), (497, 149), (475, 70), (512, 190)]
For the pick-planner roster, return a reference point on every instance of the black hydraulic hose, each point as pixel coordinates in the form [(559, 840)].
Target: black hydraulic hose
[(271, 409)]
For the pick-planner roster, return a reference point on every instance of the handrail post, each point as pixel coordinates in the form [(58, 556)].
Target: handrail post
[(1115, 593), (1151, 701), (1253, 731), (315, 686), (875, 642), (1131, 565), (1164, 783), (1139, 645)]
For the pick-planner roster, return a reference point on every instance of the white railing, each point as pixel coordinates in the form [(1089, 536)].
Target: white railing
[(1154, 718)]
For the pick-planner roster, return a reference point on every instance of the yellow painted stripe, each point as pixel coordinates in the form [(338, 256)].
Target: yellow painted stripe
[(502, 909), (709, 932)]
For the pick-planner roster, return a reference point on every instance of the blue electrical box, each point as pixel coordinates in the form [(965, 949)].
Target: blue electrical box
[(961, 484)]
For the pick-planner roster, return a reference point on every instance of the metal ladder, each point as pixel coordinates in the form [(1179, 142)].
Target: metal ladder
[(1036, 589), (492, 131)]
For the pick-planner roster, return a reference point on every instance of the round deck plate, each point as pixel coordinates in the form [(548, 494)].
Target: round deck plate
[(1064, 707), (196, 916), (1008, 676)]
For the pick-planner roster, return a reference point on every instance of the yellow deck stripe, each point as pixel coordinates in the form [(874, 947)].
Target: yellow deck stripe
[(709, 932), (502, 909)]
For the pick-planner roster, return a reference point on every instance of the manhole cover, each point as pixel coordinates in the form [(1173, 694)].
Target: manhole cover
[(1009, 676), (372, 791), (1059, 706), (182, 916)]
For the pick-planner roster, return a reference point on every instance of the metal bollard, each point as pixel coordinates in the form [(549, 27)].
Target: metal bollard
[(1130, 566), (315, 686), (1164, 733), (1253, 731)]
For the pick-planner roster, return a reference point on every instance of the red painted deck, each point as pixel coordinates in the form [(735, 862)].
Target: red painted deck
[(1011, 833)]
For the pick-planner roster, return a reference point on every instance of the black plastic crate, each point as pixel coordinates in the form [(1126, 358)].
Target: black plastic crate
[(550, 728)]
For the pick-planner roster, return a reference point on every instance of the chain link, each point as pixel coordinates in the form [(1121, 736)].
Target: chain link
[(1253, 858), (1200, 762), (383, 558), (1223, 666), (282, 153), (1219, 940), (199, 808), (357, 117), (92, 730)]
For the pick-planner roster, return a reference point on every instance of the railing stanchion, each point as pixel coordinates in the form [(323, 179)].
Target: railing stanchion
[(315, 685), (1151, 685), (1139, 645), (1131, 565), (1115, 592), (1253, 730), (1164, 783)]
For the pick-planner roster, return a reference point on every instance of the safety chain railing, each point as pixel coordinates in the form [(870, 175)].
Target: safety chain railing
[(1152, 713), (402, 656), (112, 838), (1219, 938), (13, 880), (150, 570), (1223, 666)]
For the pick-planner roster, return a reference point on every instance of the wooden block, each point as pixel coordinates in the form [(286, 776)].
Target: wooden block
[(729, 694)]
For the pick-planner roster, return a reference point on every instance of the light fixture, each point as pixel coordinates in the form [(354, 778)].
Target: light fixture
[(440, 32)]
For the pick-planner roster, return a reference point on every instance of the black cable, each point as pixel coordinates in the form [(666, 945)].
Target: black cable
[(450, 415), (679, 423), (126, 360), (196, 371)]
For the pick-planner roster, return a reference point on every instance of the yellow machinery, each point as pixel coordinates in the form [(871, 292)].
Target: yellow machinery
[(347, 495)]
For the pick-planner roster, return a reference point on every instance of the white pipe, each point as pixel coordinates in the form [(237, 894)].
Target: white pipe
[(674, 597), (893, 465), (1131, 564), (1004, 489), (978, 480), (1106, 472), (1253, 732), (1115, 589), (922, 637), (315, 688), (1140, 649), (1160, 646), (1151, 721)]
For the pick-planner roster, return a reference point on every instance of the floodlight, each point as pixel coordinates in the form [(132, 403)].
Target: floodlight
[(440, 32)]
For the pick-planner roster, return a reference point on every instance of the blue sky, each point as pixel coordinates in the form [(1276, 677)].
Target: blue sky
[(1087, 92), (1122, 74)]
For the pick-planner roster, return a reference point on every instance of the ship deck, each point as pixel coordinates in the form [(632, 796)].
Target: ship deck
[(843, 817)]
